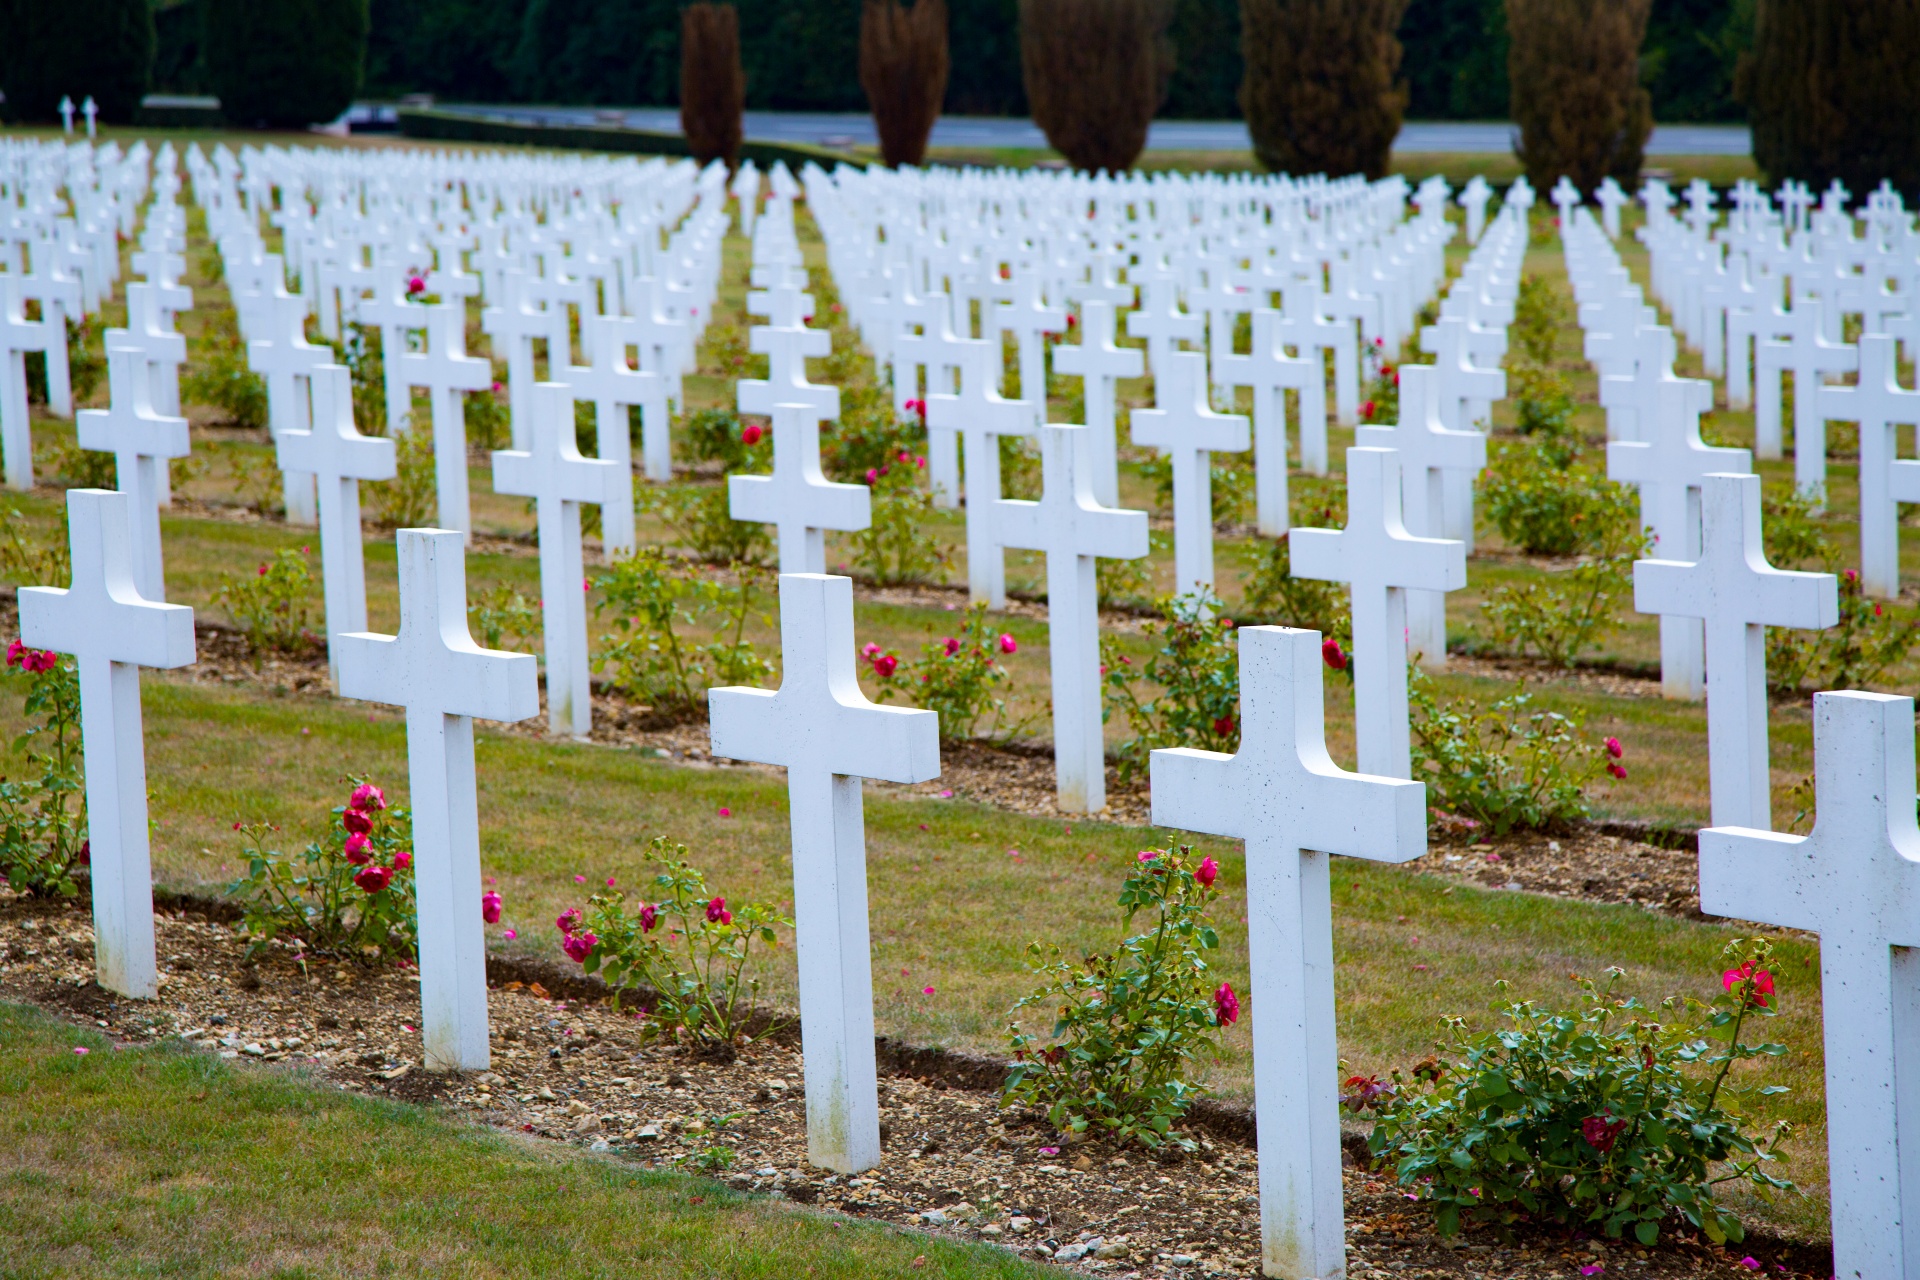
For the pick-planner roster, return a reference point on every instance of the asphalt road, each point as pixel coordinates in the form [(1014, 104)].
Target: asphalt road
[(831, 129)]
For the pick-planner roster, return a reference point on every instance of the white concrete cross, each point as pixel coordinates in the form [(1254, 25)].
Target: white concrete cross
[(1312, 334), (1028, 317), (936, 349), (151, 330), (1809, 357), (613, 385), (829, 737), (286, 360), (91, 110), (1611, 198), (981, 415), (141, 441), (1856, 882), (1429, 455), (786, 382), (447, 371), (112, 632), (1074, 528), (1162, 323), (443, 679), (796, 498), (18, 335), (1184, 426), (1102, 363), (1270, 373), (338, 457), (1668, 463), (1296, 810), (513, 327), (66, 114), (1738, 595), (1463, 396), (559, 479), (1879, 404), (1381, 562)]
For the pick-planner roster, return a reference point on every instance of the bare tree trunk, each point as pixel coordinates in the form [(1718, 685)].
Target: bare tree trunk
[(903, 68), (713, 88)]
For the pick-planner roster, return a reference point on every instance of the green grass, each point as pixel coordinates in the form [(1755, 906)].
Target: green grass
[(156, 1161)]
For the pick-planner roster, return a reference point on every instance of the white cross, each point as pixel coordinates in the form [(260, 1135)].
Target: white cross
[(828, 736), (286, 360), (1073, 527), (141, 440), (1102, 363), (339, 458), (389, 311), (1430, 455), (443, 679), (91, 110), (1856, 882), (783, 306), (559, 479), (1463, 395), (1162, 323), (1738, 595), (936, 348), (1028, 317), (797, 499), (1381, 561), (1295, 808), (66, 114), (1633, 400), (982, 415), (613, 385), (1809, 357), (513, 326), (1311, 334), (446, 370), (103, 621), (1668, 462), (1270, 373), (151, 331), (18, 335), (1184, 426), (1879, 404), (786, 382), (1610, 199)]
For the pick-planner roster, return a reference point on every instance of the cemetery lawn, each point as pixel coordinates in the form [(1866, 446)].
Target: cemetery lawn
[(958, 890), (157, 1161)]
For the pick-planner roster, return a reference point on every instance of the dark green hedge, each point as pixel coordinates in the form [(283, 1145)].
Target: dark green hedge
[(284, 63), (51, 49)]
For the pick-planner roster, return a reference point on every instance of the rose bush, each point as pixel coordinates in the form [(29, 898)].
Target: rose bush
[(43, 816)]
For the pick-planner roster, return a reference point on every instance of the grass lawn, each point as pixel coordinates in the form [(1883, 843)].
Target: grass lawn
[(154, 1161)]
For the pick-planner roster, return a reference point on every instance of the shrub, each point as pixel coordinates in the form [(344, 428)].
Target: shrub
[(1546, 505), (718, 435), (1382, 404), (86, 361), (489, 425), (1830, 89), (713, 88), (43, 820), (258, 483), (1095, 73), (1574, 66), (1274, 595), (222, 379), (505, 619), (1600, 1116), (275, 606), (102, 48), (284, 64), (1320, 93), (654, 603), (689, 951), (1127, 1026), (349, 895), (893, 548), (78, 468), (1542, 402), (358, 348), (29, 559), (1539, 312), (903, 68), (1229, 488), (1560, 619), (411, 500), (1508, 766), (958, 676), (1196, 672), (701, 518), (1869, 641)]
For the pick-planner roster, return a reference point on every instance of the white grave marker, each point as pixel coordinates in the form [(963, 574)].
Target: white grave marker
[(980, 415), (286, 360), (18, 335), (443, 679), (1073, 528), (828, 736), (1295, 808), (141, 441), (446, 371), (1102, 363), (1270, 373), (112, 632), (1381, 561), (799, 501), (1184, 426), (1879, 404)]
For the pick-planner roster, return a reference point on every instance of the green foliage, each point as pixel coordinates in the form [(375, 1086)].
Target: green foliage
[(358, 348), (655, 605), (86, 361), (350, 895), (488, 422), (688, 952), (701, 519), (1230, 489), (1382, 404), (1546, 505), (894, 549), (1194, 675), (284, 64), (959, 677), (221, 378), (275, 606), (1559, 619), (718, 435), (31, 559), (1508, 766), (1872, 638), (97, 48), (1127, 1026), (1274, 595), (1539, 312), (1322, 93), (503, 618), (412, 498), (257, 482), (78, 468), (43, 819), (1609, 1116), (1542, 402)]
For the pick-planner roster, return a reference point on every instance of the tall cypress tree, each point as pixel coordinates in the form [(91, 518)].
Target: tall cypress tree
[(1575, 70), (1832, 91), (1321, 94), (78, 49), (284, 64), (1096, 71)]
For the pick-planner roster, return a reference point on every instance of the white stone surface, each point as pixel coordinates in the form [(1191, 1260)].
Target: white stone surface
[(447, 372), (822, 729), (1101, 362), (18, 335), (1269, 372), (797, 499), (1879, 404), (1185, 427), (141, 440), (286, 361), (980, 415)]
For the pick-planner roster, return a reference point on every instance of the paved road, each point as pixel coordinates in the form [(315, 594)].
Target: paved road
[(834, 129)]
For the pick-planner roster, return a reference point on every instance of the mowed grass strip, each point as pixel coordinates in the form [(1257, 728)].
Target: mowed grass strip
[(158, 1161), (957, 890)]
